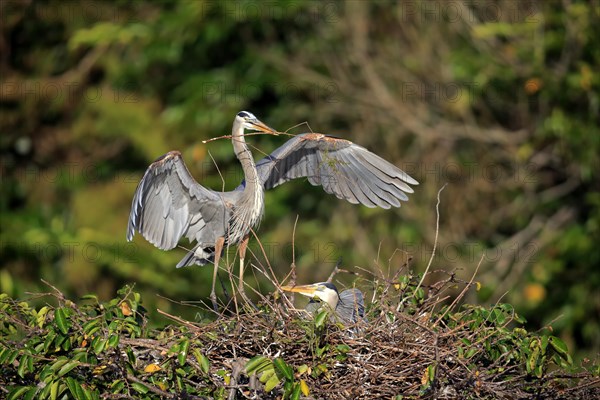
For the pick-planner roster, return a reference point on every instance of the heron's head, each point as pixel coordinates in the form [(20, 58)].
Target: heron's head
[(247, 120), (323, 291)]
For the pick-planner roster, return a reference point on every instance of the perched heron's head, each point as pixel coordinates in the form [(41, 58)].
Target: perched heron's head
[(248, 121), (323, 291)]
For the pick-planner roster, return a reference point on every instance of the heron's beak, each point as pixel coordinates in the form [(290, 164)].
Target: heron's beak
[(306, 290), (262, 127)]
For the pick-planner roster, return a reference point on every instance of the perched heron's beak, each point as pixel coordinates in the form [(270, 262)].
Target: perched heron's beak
[(316, 291), (261, 127), (306, 290)]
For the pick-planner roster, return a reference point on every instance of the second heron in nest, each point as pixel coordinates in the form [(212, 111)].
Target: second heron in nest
[(347, 307)]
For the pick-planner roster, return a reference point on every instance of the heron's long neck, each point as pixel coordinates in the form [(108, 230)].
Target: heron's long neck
[(333, 301), (243, 154), (249, 210)]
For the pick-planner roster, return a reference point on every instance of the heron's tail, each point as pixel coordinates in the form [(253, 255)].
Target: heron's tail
[(198, 255)]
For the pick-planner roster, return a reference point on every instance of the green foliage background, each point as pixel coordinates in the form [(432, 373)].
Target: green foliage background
[(499, 99)]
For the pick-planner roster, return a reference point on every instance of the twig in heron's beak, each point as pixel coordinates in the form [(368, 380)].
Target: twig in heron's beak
[(217, 138)]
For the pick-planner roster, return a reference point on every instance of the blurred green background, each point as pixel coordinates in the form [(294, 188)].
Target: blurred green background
[(498, 99)]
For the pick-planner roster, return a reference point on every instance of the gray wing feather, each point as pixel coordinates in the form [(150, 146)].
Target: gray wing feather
[(363, 189), (168, 204), (351, 306), (341, 167), (383, 187)]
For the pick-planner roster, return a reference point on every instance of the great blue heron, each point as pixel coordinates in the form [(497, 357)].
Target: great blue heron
[(348, 307), (169, 204)]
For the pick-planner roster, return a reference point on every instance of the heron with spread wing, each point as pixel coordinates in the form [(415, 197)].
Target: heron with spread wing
[(348, 307), (169, 204)]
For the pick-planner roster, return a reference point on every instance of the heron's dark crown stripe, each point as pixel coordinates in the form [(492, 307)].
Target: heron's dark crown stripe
[(246, 114), (330, 286)]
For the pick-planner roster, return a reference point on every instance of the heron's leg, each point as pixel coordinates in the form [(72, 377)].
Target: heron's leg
[(242, 251), (218, 249)]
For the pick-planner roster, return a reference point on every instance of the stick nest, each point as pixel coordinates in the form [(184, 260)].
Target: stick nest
[(413, 345)]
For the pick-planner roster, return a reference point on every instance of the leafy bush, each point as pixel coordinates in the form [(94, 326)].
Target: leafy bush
[(410, 348)]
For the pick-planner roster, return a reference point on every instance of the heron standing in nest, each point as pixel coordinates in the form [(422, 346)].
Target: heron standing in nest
[(169, 204)]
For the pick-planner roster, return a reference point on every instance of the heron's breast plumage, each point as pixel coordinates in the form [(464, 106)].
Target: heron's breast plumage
[(246, 214)]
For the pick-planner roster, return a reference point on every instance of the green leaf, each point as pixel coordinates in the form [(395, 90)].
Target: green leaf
[(471, 352), (30, 364), (16, 392), (302, 369), (91, 327), (519, 318), (38, 348), (91, 395), (342, 348), (46, 375), (267, 374), (113, 340), (519, 332), (203, 361), (321, 350), (4, 353), (257, 364), (130, 356), (320, 318), (295, 395), (58, 364), (498, 316), (41, 316), (271, 383), (66, 344), (284, 370), (75, 389), (31, 394), (68, 367), (60, 318), (431, 372), (140, 388), (559, 346), (49, 340), (54, 390), (133, 328), (183, 351), (319, 370), (98, 344), (23, 362), (420, 294), (12, 356), (71, 385), (117, 386), (539, 370), (533, 359)]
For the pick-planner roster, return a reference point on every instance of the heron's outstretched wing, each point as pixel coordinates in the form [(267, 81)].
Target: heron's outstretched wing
[(343, 168), (351, 306), (168, 204)]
